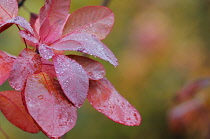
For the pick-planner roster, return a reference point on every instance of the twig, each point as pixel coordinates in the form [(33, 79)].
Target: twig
[(5, 135), (21, 3), (23, 38), (105, 3)]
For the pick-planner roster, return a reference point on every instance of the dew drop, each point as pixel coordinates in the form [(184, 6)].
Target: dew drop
[(40, 97), (65, 123)]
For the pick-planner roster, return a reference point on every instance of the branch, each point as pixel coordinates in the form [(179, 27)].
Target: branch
[(105, 3), (21, 3), (5, 135)]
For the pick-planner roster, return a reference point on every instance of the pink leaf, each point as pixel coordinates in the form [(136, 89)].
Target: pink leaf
[(48, 105), (93, 20), (33, 22), (36, 25), (52, 17), (54, 10), (5, 26), (30, 39), (190, 90), (12, 107), (87, 44), (185, 114), (8, 16), (27, 63), (8, 10), (49, 33), (18, 21), (105, 99), (73, 79), (6, 63), (48, 67), (94, 69), (33, 18), (45, 51)]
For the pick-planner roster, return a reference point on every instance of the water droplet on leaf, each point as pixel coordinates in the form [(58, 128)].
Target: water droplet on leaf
[(40, 97)]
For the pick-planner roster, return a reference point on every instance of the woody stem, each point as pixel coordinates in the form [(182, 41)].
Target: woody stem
[(3, 132), (20, 3), (105, 3), (23, 38)]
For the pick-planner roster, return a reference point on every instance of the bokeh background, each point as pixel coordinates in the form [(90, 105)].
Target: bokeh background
[(161, 46)]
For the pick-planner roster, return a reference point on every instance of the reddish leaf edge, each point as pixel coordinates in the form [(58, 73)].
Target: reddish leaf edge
[(138, 121), (26, 110), (84, 8)]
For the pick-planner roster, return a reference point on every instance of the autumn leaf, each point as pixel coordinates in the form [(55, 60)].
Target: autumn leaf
[(95, 70), (77, 34), (105, 99), (12, 107), (48, 105), (85, 43), (6, 62), (73, 79), (191, 89), (8, 10), (27, 63), (52, 16), (94, 20), (48, 67), (9, 16)]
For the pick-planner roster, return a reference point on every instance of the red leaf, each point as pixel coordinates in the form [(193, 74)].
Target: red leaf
[(48, 67), (87, 44), (94, 69), (12, 107), (8, 10), (49, 33), (54, 10), (45, 51), (35, 24), (19, 21), (33, 18), (6, 62), (185, 114), (52, 17), (30, 39), (191, 89), (93, 20), (73, 79), (105, 99), (48, 106), (5, 26), (27, 63)]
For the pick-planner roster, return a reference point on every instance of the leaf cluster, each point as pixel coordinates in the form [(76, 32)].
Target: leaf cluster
[(50, 86)]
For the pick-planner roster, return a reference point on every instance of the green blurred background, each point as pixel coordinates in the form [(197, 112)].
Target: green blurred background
[(161, 45)]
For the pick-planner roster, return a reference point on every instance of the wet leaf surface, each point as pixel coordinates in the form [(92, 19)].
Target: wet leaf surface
[(12, 107), (48, 105), (105, 99), (87, 44), (27, 63), (6, 63), (93, 20), (73, 79), (95, 70)]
